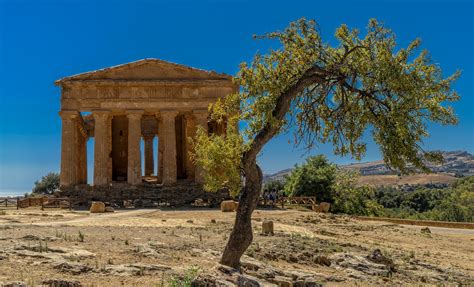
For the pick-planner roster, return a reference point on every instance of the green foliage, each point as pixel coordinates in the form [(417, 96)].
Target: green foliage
[(352, 199), (314, 178), (455, 203), (220, 156), (48, 184), (186, 280), (330, 94), (321, 178)]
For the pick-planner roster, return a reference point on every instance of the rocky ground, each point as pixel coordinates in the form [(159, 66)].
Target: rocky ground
[(158, 247)]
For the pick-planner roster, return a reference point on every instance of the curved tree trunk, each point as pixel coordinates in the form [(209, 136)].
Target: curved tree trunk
[(241, 236)]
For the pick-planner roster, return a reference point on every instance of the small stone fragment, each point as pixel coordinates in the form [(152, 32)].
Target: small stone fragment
[(267, 227), (426, 230)]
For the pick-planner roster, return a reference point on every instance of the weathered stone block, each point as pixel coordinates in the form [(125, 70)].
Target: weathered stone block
[(267, 227), (229, 205), (325, 206), (97, 207)]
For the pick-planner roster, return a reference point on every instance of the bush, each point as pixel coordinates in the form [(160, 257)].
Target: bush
[(352, 199), (47, 185)]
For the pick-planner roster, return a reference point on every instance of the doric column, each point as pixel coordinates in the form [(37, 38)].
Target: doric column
[(82, 151), (149, 162), (201, 121), (168, 133), (82, 172), (69, 152), (102, 146), (160, 149), (134, 171)]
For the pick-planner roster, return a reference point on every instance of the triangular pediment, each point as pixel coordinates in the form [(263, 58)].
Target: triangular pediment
[(148, 70)]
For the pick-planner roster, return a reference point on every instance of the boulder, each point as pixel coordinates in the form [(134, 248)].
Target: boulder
[(109, 209), (229, 205), (267, 227), (325, 206), (97, 207)]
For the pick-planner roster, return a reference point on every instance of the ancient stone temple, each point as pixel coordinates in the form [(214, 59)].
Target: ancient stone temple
[(122, 106)]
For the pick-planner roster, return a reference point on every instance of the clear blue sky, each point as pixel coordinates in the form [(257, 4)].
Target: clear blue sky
[(41, 41)]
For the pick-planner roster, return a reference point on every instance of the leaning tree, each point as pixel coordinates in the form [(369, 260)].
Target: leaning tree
[(324, 94)]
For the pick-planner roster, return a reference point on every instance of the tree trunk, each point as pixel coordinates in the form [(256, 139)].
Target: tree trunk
[(242, 234)]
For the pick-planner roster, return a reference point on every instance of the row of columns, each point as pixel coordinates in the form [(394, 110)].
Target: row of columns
[(74, 144)]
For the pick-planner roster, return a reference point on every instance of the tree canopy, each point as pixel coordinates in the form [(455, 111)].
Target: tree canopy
[(325, 94), (333, 95), (315, 177), (47, 184)]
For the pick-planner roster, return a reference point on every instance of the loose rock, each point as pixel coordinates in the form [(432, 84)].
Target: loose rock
[(97, 207), (426, 230), (229, 205), (267, 227)]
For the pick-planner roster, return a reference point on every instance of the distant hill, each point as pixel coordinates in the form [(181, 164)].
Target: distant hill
[(455, 162)]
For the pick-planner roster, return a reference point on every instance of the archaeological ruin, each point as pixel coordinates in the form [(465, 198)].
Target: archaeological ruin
[(150, 102)]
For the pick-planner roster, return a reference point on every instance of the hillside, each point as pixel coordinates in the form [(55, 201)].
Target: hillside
[(455, 163)]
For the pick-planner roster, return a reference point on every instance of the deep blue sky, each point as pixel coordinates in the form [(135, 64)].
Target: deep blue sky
[(41, 41)]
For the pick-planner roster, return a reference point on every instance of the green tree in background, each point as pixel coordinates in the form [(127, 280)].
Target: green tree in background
[(349, 198), (315, 177), (327, 94), (47, 184)]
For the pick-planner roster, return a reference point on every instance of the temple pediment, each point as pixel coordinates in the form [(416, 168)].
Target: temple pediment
[(147, 70)]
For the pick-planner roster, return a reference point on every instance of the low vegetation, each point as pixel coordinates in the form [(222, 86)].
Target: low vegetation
[(47, 184), (318, 177), (455, 203)]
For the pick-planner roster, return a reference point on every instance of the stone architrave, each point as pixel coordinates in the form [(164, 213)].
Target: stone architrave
[(149, 162), (69, 150), (201, 117), (134, 171), (101, 146), (168, 133)]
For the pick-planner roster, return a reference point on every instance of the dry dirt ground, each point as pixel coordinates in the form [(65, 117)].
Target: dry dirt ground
[(150, 247)]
